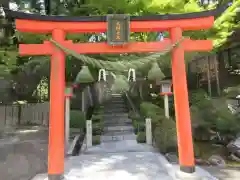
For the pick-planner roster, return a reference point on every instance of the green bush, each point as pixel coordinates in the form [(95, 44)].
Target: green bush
[(135, 123), (165, 135), (141, 137), (77, 119), (139, 126), (96, 140), (97, 128), (226, 122), (99, 110), (212, 114), (97, 118), (132, 115), (150, 110)]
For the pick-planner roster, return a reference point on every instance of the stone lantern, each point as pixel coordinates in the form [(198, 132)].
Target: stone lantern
[(165, 91)]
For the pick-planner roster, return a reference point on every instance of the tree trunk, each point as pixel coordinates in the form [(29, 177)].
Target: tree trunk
[(217, 75), (209, 76), (223, 73), (8, 29)]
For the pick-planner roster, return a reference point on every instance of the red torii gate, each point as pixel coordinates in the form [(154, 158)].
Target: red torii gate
[(60, 25)]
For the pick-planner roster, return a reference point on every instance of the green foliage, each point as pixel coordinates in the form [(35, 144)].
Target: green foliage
[(214, 114), (97, 118), (96, 140), (231, 92), (165, 135), (132, 115), (223, 27), (77, 119), (97, 121), (141, 137), (155, 72), (99, 110), (97, 128), (151, 110), (164, 130), (120, 84), (84, 76)]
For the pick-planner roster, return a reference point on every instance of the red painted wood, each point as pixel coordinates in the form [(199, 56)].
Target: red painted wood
[(93, 27), (166, 93), (97, 48), (181, 103), (56, 131)]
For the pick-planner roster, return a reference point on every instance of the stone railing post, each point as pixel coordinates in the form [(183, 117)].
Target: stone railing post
[(89, 133), (148, 131)]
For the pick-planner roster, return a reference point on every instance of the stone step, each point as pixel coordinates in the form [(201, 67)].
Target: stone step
[(117, 133), (116, 100), (116, 115), (116, 118), (115, 106), (117, 123), (118, 128), (118, 137), (116, 110)]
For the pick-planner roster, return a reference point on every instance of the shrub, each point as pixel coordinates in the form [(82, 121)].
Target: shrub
[(96, 140), (97, 118), (139, 126), (99, 110), (226, 122), (150, 110), (97, 128), (77, 119), (132, 115), (141, 137), (213, 114), (165, 135)]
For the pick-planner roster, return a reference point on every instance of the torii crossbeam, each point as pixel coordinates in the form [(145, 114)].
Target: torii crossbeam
[(58, 26)]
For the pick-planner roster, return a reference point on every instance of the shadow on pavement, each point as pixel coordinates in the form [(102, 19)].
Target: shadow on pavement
[(24, 157)]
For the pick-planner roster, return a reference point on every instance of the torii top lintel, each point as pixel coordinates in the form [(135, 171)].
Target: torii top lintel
[(45, 24)]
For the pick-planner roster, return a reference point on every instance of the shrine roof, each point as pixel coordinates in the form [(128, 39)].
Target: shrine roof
[(193, 15)]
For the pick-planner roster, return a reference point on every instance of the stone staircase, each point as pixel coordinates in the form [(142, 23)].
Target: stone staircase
[(117, 125)]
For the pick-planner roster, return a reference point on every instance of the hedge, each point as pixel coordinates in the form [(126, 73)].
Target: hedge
[(96, 140), (164, 130), (165, 135), (141, 137), (77, 119)]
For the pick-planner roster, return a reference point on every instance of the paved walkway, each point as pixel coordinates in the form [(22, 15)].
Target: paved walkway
[(119, 156), (118, 165)]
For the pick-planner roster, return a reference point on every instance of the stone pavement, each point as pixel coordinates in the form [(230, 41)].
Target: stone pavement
[(119, 156), (23, 154), (226, 173), (114, 166)]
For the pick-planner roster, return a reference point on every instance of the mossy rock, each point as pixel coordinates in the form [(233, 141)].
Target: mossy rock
[(96, 140), (165, 135), (141, 137)]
